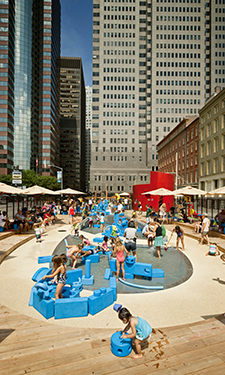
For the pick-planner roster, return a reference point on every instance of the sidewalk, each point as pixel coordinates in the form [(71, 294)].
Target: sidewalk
[(198, 297)]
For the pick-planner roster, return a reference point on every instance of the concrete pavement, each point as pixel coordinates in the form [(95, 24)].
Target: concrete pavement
[(199, 297)]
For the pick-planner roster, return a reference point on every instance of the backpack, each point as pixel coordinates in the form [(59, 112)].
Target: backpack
[(163, 231)]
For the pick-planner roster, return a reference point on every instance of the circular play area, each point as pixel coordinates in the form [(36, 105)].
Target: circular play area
[(96, 270), (176, 266)]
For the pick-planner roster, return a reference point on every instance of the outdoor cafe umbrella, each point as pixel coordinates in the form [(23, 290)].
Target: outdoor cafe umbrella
[(124, 194), (219, 191), (70, 192), (7, 189), (36, 191), (160, 191), (189, 190)]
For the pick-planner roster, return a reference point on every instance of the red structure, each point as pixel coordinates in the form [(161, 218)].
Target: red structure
[(157, 180)]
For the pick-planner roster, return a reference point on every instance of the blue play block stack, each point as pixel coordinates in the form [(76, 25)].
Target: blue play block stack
[(100, 299), (120, 347), (71, 307), (46, 307)]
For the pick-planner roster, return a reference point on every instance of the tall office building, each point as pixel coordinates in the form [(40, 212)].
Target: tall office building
[(88, 134), (72, 122), (29, 92), (153, 64)]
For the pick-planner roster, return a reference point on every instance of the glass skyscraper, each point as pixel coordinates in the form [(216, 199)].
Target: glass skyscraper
[(30, 88), (22, 83)]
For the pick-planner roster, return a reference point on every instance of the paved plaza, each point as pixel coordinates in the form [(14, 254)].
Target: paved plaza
[(199, 298)]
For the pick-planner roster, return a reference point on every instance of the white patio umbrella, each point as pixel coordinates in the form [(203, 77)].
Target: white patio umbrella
[(124, 194), (219, 191), (7, 189), (160, 191), (36, 191), (189, 190), (70, 192)]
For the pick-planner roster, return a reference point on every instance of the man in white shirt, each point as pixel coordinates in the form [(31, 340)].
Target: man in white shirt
[(120, 207), (205, 229)]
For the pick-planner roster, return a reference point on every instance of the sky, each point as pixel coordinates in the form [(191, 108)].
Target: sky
[(76, 33)]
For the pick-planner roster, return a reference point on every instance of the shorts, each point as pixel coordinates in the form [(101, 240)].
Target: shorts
[(38, 236), (131, 246), (204, 233)]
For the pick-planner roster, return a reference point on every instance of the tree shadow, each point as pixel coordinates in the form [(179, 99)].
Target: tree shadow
[(4, 333)]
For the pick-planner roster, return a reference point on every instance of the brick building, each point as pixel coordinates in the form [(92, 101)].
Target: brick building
[(178, 152)]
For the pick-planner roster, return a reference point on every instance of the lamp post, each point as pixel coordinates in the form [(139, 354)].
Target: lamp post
[(61, 169)]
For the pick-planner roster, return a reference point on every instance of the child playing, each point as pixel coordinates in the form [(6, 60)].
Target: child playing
[(73, 253), (90, 222), (213, 249), (38, 233), (98, 218), (141, 330), (114, 231), (104, 246), (75, 229), (119, 252), (85, 241), (180, 236), (102, 222), (150, 234), (60, 272)]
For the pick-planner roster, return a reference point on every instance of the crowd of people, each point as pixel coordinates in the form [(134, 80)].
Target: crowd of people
[(25, 219)]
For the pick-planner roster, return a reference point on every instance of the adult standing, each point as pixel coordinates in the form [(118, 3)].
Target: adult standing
[(130, 235), (148, 214), (120, 207), (126, 203), (205, 229), (71, 214), (220, 217), (162, 213), (90, 204), (158, 238)]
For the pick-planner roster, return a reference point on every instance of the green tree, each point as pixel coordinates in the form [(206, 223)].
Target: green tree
[(6, 179), (30, 179), (48, 182)]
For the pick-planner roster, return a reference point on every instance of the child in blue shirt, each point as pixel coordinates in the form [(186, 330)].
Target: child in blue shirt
[(141, 330)]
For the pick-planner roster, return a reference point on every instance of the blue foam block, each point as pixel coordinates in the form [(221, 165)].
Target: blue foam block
[(96, 225), (45, 259), (113, 285), (129, 276), (158, 272), (88, 280), (31, 296), (40, 273), (98, 239), (120, 347), (117, 307), (71, 307), (74, 276), (108, 274), (100, 299), (1, 229), (112, 264), (94, 258), (45, 307), (137, 268)]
